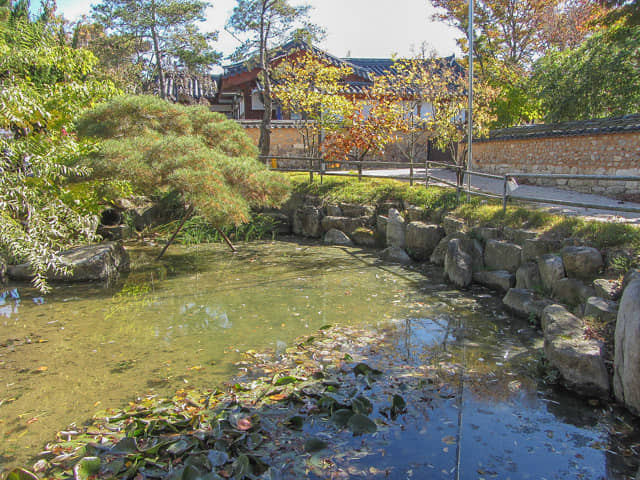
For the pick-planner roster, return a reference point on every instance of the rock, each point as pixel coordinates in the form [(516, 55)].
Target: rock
[(528, 276), (166, 210), (582, 262), (351, 210), (458, 264), (3, 270), (631, 275), (396, 229), (607, 289), (345, 224), (438, 254), (517, 235), (626, 375), (572, 291), (415, 214), (381, 228), (101, 262), (336, 237), (602, 309), (307, 222), (395, 254), (618, 259), (487, 233), (551, 269), (364, 236), (474, 248), (525, 303), (453, 225), (114, 232), (499, 280), (502, 256), (280, 222), (422, 238), (578, 359), (334, 211), (533, 248)]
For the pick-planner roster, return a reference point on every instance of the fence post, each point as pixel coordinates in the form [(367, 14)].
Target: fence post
[(426, 174), (322, 167), (360, 170), (310, 169), (411, 173), (505, 193)]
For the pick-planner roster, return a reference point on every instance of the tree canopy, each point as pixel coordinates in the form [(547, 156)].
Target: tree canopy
[(264, 26), (200, 155), (44, 83), (157, 34)]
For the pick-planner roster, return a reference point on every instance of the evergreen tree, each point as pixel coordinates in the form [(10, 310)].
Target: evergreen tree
[(163, 34)]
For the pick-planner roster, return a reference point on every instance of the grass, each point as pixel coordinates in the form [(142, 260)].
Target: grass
[(441, 201)]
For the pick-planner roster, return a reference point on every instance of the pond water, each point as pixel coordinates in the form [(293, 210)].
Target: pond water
[(187, 319)]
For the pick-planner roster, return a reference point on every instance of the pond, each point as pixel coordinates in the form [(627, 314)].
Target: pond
[(185, 321)]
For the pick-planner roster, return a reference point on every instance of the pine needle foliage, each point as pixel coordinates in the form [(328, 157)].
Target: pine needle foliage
[(160, 147)]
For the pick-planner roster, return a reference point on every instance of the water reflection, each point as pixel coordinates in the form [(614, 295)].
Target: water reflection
[(184, 323)]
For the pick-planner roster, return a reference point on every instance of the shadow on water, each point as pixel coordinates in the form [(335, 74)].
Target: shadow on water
[(186, 320)]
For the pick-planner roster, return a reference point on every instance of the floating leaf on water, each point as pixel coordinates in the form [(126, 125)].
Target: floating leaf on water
[(242, 467), (359, 424), (398, 405), (86, 467), (181, 446), (41, 369), (20, 474), (295, 423), (347, 357), (449, 440), (361, 405), (325, 327), (314, 445), (341, 417), (364, 369), (217, 458), (285, 380), (244, 424), (125, 446)]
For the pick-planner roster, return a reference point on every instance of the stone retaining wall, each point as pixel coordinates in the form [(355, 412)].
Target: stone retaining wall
[(598, 147)]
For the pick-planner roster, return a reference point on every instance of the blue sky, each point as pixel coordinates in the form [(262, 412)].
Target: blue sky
[(362, 28)]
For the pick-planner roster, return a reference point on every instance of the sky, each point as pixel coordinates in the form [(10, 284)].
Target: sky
[(356, 28)]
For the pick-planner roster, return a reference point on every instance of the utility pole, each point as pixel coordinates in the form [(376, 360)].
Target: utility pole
[(470, 109)]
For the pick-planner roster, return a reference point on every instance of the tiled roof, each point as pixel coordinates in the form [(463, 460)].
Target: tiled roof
[(627, 123)]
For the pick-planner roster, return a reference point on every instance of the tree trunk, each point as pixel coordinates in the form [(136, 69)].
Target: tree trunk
[(264, 144), (156, 50)]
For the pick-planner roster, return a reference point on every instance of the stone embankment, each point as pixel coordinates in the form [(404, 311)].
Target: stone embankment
[(557, 284)]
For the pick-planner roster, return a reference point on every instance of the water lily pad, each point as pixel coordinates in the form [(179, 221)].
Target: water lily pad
[(398, 405), (242, 467), (20, 474), (285, 381), (86, 467), (359, 424), (341, 417), (181, 446), (314, 445), (366, 370), (217, 458), (295, 423), (125, 446), (361, 405)]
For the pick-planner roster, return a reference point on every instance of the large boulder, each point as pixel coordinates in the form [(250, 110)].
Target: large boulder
[(551, 269), (525, 303), (353, 210), (499, 280), (422, 238), (572, 291), (453, 225), (396, 229), (626, 375), (533, 248), (582, 262), (518, 235), (500, 255), (381, 228), (607, 289), (307, 221), (438, 254), (528, 276), (102, 262), (486, 233), (336, 237), (458, 265), (600, 308), (396, 255), (3, 270), (345, 224), (364, 236), (579, 360)]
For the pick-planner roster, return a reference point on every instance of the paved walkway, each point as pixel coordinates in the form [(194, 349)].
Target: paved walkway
[(495, 186)]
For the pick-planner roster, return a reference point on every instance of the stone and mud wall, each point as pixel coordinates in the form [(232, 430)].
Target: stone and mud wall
[(596, 147)]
